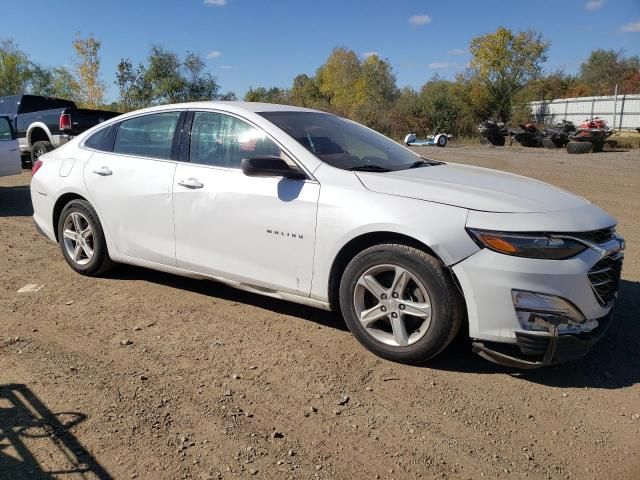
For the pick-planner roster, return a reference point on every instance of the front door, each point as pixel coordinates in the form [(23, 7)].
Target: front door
[(258, 231), (131, 187), (10, 163)]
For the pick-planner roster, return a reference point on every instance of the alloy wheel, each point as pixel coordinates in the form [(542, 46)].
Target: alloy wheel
[(392, 305), (78, 238)]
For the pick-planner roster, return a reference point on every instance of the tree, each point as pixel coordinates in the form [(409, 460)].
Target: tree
[(134, 92), (199, 84), (306, 93), (503, 62), (14, 69), (604, 69), (90, 87), (228, 96), (271, 95), (375, 92), (337, 80), (440, 105), (52, 82)]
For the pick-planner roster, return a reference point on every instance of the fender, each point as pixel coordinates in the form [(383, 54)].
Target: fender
[(37, 125)]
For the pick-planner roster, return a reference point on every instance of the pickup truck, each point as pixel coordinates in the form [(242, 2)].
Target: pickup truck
[(45, 123)]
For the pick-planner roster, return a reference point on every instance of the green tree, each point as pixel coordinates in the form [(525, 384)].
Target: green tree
[(504, 62), (306, 93), (337, 80), (134, 92), (375, 91), (87, 66), (52, 82), (604, 69), (14, 69), (270, 95)]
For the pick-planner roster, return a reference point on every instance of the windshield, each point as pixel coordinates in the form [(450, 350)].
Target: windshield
[(345, 144)]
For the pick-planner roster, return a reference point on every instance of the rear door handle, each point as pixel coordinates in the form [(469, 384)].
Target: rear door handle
[(103, 171), (191, 183)]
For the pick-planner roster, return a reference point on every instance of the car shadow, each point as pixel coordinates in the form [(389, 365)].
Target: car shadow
[(26, 424), (15, 201), (612, 363), (225, 292)]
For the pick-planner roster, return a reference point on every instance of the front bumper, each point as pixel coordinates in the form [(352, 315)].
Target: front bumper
[(534, 350)]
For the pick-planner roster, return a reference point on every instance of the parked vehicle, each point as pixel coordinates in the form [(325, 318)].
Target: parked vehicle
[(309, 207), (494, 132), (9, 152), (590, 137), (437, 140), (557, 136), (45, 123), (527, 135)]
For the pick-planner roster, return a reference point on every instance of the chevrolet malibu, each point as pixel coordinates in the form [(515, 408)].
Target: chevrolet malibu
[(316, 209)]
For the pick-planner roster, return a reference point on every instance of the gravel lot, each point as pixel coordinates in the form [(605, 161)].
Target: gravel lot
[(147, 375)]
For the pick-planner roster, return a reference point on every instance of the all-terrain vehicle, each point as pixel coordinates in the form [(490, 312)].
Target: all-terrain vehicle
[(494, 132), (558, 135), (591, 136), (527, 135)]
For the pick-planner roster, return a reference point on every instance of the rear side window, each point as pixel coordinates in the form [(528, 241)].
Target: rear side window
[(5, 130), (223, 141), (9, 105), (95, 140), (148, 136)]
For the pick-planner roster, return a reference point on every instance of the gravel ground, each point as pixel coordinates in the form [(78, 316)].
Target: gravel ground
[(147, 375)]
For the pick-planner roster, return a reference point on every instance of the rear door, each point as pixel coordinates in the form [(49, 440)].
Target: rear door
[(130, 185), (10, 163)]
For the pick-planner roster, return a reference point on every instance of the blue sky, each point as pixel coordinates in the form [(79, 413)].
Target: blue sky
[(266, 43)]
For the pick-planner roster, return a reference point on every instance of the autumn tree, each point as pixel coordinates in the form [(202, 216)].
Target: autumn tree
[(267, 95), (87, 70), (503, 62), (337, 80), (375, 92), (305, 92), (14, 69), (604, 69)]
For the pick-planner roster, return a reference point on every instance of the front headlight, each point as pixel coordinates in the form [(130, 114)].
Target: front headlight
[(528, 245)]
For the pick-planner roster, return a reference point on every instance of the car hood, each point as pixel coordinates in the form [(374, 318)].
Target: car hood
[(472, 187)]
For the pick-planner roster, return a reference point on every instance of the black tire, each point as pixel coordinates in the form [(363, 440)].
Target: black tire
[(26, 161), (579, 147), (442, 141), (447, 309), (598, 146), (100, 261), (497, 140), (40, 148), (546, 142)]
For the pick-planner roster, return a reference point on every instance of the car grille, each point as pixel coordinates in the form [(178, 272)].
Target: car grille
[(605, 277), (596, 237)]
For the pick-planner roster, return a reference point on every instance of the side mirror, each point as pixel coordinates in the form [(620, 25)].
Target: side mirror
[(270, 166)]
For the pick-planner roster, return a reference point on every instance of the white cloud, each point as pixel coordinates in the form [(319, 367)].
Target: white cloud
[(443, 65), (214, 54), (226, 67), (417, 20), (215, 3), (593, 5), (457, 51), (631, 27), (368, 54)]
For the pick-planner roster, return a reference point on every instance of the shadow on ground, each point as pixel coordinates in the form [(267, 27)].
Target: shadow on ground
[(26, 426), (612, 364), (15, 201)]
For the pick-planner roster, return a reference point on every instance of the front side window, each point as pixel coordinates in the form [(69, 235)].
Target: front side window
[(5, 130), (147, 136), (345, 144), (223, 141)]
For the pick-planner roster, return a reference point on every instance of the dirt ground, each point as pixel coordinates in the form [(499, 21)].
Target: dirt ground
[(148, 375)]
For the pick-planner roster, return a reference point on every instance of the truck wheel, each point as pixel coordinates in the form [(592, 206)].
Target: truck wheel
[(40, 148), (548, 143), (400, 303), (579, 147)]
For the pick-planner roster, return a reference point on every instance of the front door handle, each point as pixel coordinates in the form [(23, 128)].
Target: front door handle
[(103, 171), (191, 183)]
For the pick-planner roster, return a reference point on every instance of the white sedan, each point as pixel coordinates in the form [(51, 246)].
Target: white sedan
[(316, 209)]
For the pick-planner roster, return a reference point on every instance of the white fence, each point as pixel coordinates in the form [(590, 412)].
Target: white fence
[(622, 112)]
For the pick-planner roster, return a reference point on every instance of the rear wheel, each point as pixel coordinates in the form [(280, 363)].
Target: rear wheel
[(546, 142), (40, 148), (579, 147), (400, 303), (82, 239)]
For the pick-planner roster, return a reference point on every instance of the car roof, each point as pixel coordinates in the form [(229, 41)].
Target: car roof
[(234, 107)]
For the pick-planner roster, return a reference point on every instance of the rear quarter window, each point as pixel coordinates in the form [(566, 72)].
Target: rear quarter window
[(95, 140)]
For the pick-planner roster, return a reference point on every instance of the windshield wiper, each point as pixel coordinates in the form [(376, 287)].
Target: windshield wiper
[(424, 163), (369, 168)]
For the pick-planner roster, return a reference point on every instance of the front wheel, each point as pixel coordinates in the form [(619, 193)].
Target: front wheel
[(82, 239), (400, 303)]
